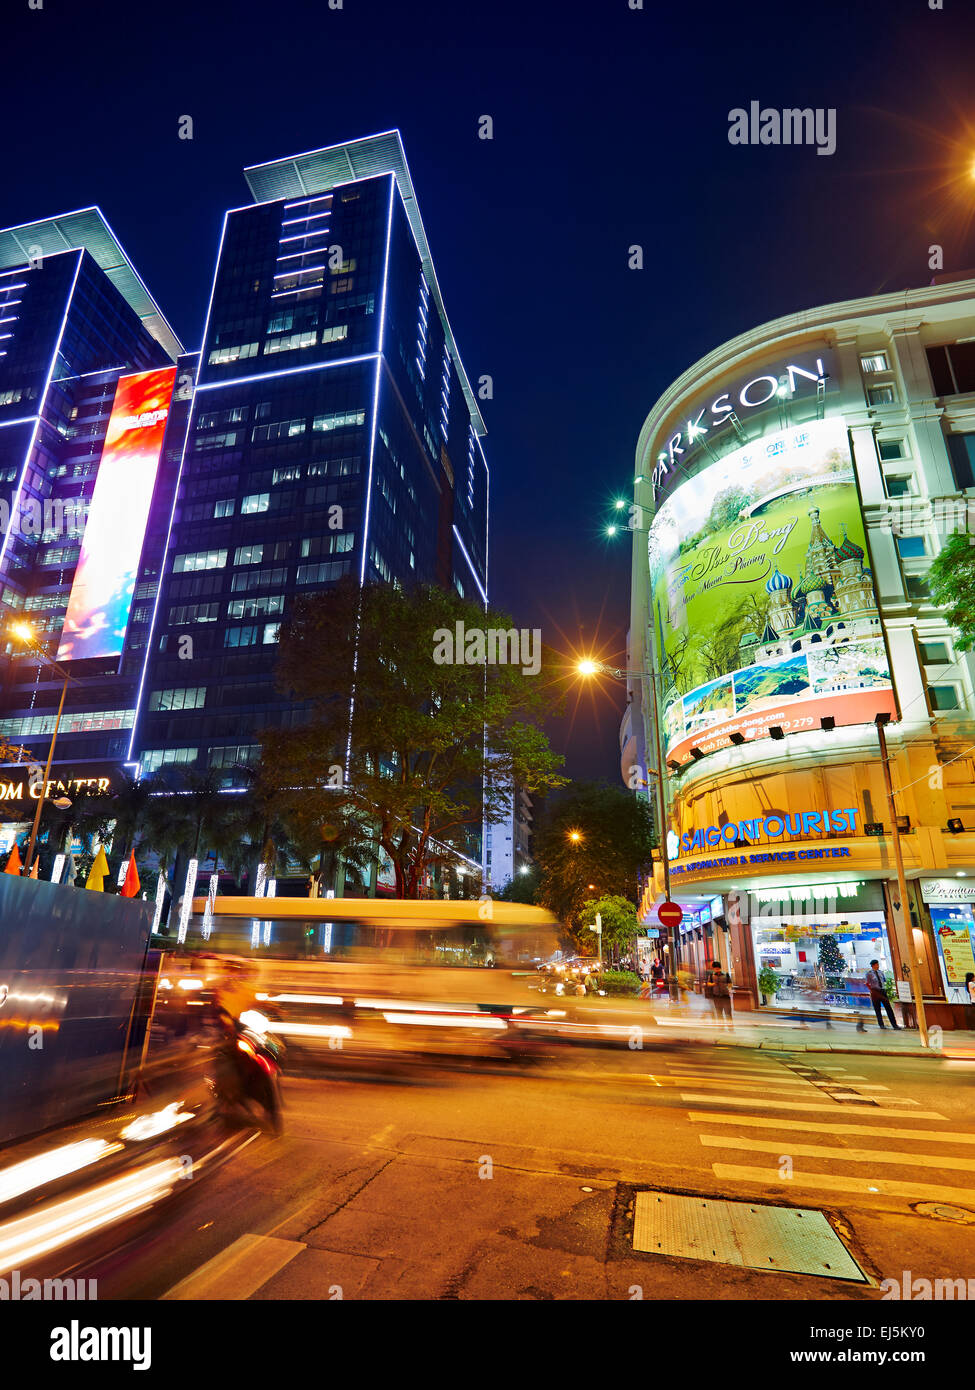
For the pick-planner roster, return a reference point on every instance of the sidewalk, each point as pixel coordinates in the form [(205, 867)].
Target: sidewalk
[(694, 1020)]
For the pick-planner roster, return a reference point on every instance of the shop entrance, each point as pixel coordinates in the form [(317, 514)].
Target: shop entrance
[(818, 965)]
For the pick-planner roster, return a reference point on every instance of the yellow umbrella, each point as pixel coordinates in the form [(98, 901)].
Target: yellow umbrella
[(99, 871)]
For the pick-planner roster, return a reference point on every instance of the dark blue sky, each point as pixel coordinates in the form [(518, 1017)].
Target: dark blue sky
[(610, 128)]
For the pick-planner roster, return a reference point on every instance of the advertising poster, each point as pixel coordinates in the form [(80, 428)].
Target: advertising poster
[(104, 582), (762, 595)]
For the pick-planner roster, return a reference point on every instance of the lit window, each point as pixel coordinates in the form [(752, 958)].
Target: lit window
[(875, 362), (249, 555), (199, 560), (882, 395), (256, 502)]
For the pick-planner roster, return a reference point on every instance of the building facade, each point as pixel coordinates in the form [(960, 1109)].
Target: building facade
[(89, 431), (326, 428), (794, 487)]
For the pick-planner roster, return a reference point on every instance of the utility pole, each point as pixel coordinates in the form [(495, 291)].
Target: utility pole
[(905, 942)]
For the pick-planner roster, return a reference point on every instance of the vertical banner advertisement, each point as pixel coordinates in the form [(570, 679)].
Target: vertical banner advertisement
[(762, 597), (104, 582)]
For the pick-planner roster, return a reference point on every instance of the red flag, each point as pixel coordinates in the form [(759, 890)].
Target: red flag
[(14, 865), (131, 885)]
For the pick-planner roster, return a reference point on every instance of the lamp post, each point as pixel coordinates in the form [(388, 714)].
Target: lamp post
[(26, 634), (589, 667), (907, 950)]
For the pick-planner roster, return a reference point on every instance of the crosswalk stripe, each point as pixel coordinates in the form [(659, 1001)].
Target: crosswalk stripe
[(810, 1105), (833, 1085), (237, 1272), (866, 1187), (925, 1136), (718, 1141), (803, 1087)]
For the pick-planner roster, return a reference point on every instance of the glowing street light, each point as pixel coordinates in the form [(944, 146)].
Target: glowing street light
[(575, 836), (587, 667)]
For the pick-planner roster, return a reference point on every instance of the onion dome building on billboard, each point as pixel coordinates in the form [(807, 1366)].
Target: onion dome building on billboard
[(792, 489)]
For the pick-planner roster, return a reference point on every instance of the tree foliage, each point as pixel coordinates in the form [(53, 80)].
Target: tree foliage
[(615, 830), (422, 750), (618, 919), (952, 582)]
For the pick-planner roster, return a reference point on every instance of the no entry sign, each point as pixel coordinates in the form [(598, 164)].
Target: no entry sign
[(670, 914)]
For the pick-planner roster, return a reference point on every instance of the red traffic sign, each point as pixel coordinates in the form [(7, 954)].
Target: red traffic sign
[(670, 914)]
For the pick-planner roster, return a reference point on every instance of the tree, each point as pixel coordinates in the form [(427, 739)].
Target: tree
[(417, 740), (619, 923), (830, 957), (614, 831), (952, 582), (521, 888)]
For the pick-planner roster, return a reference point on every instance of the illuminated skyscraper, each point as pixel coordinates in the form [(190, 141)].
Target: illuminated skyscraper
[(75, 322)]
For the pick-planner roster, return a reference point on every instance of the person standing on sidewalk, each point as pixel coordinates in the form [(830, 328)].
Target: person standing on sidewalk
[(878, 994)]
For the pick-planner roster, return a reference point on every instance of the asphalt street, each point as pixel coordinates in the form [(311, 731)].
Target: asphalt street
[(492, 1180)]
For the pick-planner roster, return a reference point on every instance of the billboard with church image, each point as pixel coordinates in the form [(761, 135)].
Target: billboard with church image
[(762, 595)]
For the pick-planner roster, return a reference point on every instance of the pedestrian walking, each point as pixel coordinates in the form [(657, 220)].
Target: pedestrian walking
[(720, 990), (878, 994)]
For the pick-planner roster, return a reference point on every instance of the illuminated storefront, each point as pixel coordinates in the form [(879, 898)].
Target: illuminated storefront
[(784, 610)]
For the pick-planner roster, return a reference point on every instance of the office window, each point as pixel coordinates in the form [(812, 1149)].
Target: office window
[(333, 544), (271, 631), (890, 449), (224, 508), (256, 502), (237, 353), (875, 362), (323, 573), (882, 395), (258, 579), (241, 636), (234, 755), (280, 429), (291, 342), (249, 555), (911, 547), (178, 697), (917, 588), (935, 653), (343, 419), (286, 475), (944, 697), (199, 560), (193, 613), (336, 334), (256, 607), (961, 451), (155, 758), (952, 368)]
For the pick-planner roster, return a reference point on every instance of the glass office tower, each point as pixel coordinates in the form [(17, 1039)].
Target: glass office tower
[(81, 340), (333, 432)]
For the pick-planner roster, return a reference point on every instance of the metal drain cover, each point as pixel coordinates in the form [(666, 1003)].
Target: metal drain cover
[(746, 1234)]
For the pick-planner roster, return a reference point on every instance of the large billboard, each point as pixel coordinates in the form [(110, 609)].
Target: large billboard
[(104, 582), (762, 596)]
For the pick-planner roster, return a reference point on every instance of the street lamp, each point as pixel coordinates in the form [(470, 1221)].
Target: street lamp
[(588, 667), (25, 633)]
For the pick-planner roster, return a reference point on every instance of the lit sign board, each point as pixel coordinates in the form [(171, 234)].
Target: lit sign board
[(762, 596), (792, 824), (782, 382), (16, 791), (104, 582)]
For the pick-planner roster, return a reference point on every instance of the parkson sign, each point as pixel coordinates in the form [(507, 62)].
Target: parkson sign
[(782, 382)]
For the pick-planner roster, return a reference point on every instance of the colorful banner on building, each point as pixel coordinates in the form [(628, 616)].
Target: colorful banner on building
[(762, 596), (104, 582)]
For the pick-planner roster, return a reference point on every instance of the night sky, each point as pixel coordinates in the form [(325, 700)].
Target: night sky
[(610, 129)]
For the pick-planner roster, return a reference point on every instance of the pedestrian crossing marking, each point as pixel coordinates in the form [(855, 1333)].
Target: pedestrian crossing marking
[(717, 1141), (694, 1076), (809, 1105), (802, 1087), (865, 1187), (926, 1136)]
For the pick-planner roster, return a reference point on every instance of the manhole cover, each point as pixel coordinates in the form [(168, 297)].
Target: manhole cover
[(942, 1212), (746, 1234)]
